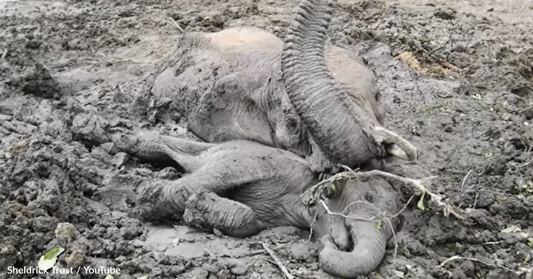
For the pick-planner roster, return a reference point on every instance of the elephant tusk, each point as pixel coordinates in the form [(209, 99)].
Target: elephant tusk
[(397, 146), (396, 151)]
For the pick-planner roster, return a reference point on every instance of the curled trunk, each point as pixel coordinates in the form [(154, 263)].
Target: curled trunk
[(368, 251), (342, 130), (337, 125)]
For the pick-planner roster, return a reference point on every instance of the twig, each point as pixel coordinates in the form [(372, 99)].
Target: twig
[(464, 180), (256, 252), (312, 224), (475, 200), (492, 242), (350, 169), (482, 262), (394, 237), (311, 230), (4, 54), (524, 164), (351, 217), (277, 261), (375, 207), (177, 25), (416, 184), (435, 50)]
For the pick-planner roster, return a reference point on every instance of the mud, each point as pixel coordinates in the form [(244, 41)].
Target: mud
[(468, 106)]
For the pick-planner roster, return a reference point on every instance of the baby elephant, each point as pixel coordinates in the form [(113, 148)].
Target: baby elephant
[(243, 187)]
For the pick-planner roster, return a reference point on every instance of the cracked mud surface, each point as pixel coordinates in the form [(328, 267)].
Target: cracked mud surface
[(468, 108)]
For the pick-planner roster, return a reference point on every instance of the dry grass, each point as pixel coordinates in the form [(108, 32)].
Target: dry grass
[(442, 69)]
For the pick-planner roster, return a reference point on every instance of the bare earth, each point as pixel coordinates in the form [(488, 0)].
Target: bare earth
[(457, 75)]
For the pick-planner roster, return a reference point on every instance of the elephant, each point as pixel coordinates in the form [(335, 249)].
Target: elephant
[(243, 187), (302, 95)]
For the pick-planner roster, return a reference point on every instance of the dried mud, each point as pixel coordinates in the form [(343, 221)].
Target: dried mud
[(461, 90)]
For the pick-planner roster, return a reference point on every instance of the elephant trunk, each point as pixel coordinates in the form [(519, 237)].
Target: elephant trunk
[(341, 129), (369, 250)]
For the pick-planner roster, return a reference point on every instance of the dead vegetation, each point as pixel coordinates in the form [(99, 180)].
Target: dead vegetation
[(442, 69)]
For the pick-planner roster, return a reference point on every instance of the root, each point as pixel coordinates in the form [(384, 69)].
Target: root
[(415, 184)]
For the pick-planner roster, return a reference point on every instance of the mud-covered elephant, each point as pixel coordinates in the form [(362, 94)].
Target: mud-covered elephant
[(316, 100), (243, 187)]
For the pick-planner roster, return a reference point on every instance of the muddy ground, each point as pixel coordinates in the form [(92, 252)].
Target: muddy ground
[(458, 79)]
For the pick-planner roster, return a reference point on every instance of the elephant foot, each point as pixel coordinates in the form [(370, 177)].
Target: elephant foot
[(147, 212), (150, 205), (208, 212), (195, 211)]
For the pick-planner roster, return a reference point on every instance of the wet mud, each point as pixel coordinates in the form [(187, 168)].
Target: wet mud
[(458, 81)]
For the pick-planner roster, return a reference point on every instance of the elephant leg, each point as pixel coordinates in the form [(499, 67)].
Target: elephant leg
[(160, 148), (207, 211), (162, 199)]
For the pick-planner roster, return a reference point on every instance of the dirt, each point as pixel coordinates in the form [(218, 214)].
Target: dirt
[(458, 78)]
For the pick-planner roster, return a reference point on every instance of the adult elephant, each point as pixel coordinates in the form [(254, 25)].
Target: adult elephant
[(316, 101)]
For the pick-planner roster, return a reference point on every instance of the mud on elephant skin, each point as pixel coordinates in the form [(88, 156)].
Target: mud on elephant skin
[(320, 102), (241, 188)]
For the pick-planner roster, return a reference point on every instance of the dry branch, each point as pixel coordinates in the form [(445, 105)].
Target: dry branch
[(277, 261), (415, 184), (177, 25)]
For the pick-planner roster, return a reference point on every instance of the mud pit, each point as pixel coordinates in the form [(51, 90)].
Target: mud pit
[(468, 106)]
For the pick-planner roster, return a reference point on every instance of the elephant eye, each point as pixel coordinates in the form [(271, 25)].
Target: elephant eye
[(331, 191), (369, 197), (292, 124), (377, 96)]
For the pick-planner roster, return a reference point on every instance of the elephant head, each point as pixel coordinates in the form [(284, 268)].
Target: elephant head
[(353, 244), (337, 118)]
